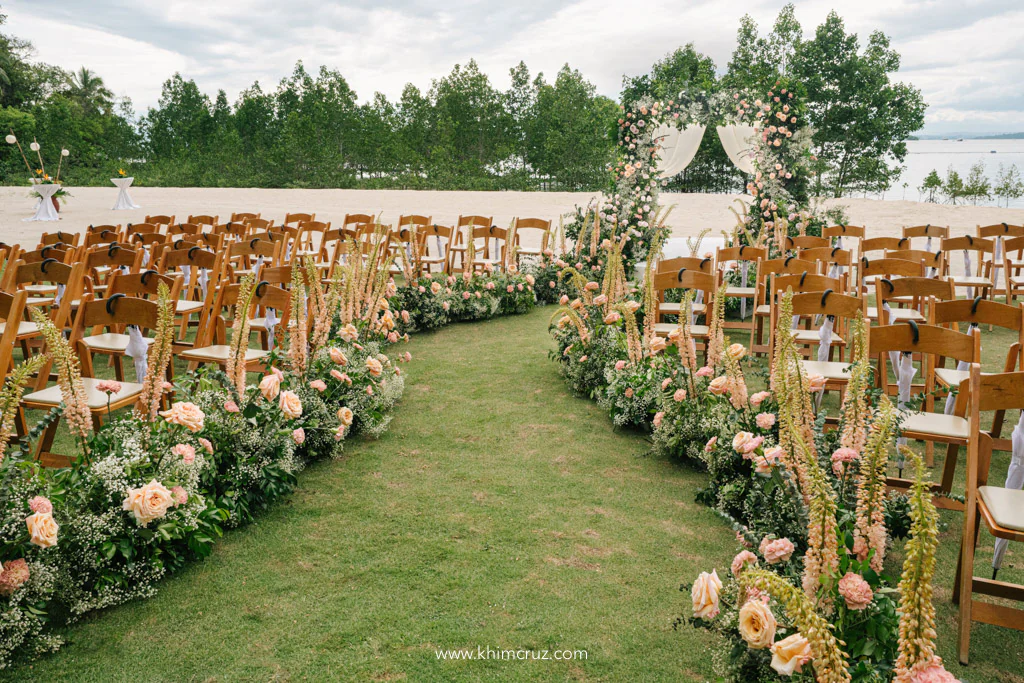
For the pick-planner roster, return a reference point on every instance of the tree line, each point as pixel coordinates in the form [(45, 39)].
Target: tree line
[(975, 186), (310, 130)]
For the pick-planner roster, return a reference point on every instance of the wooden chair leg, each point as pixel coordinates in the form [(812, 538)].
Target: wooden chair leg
[(949, 467), (46, 440), (966, 578)]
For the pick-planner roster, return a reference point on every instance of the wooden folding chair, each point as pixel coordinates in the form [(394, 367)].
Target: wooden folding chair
[(790, 265), (906, 341), (59, 237), (916, 293), (204, 220), (686, 279), (296, 219), (243, 216), (743, 257), (802, 242), (1001, 233), (928, 232), (310, 238), (158, 221), (1000, 508), (678, 265), (194, 295), (979, 275), (465, 228), (868, 271), (844, 231), (440, 238), (524, 227)]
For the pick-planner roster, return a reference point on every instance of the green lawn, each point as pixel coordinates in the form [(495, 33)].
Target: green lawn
[(498, 511)]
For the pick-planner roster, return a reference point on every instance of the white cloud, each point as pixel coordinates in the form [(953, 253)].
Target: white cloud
[(965, 57)]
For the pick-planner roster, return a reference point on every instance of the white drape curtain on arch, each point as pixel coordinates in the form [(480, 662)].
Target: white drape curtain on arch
[(678, 147), (738, 142)]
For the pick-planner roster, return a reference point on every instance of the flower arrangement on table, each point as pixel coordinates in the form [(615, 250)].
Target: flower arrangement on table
[(39, 176)]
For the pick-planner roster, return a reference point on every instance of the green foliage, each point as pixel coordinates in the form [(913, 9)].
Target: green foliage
[(1008, 185), (931, 186)]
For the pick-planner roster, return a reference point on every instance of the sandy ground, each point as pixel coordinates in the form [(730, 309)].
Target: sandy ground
[(692, 212)]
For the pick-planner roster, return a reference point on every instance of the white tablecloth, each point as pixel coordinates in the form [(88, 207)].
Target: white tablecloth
[(124, 200), (45, 210)]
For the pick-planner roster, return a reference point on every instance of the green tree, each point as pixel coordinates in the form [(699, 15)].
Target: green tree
[(953, 186), (89, 91), (683, 69), (758, 61), (931, 186), (977, 186), (1008, 185), (861, 119)]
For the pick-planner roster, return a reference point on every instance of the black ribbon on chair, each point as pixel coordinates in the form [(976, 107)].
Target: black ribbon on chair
[(802, 278), (110, 302), (192, 253), (146, 274), (788, 259), (705, 260), (916, 331), (889, 284), (113, 249), (45, 264), (824, 297), (261, 286), (679, 275), (253, 241), (974, 306)]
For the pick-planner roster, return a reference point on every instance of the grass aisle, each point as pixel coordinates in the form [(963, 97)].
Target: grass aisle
[(497, 511)]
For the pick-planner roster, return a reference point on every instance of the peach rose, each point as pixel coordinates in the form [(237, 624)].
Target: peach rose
[(620, 364), (740, 440), (934, 672), (345, 415), (270, 386), (319, 385), (679, 396), (349, 333), (815, 383), (705, 593), (736, 351), (149, 502), (185, 452), (205, 443), (757, 624), (856, 591), (231, 406), (338, 356), (658, 345), (299, 435), (13, 576), (374, 366), (765, 420), (742, 559), (776, 550), (719, 385), (759, 398), (180, 495), (290, 404), (789, 654), (769, 459), (629, 392), (600, 300), (665, 383), (42, 530), (612, 318), (187, 415)]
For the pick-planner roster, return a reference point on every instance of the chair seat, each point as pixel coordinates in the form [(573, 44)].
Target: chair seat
[(811, 337), (674, 307), (25, 328), (730, 290), (1005, 505), (432, 259), (899, 314), (40, 289), (183, 306), (764, 310), (533, 251), (95, 399), (110, 341), (39, 301), (970, 281), (830, 370), (935, 424), (218, 353), (951, 377), (696, 331)]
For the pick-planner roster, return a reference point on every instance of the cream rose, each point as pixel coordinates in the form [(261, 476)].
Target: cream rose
[(290, 404), (187, 415), (149, 502), (789, 654), (42, 530), (338, 356), (345, 415), (740, 440), (374, 366), (705, 593), (270, 386), (736, 351), (719, 385), (757, 624)]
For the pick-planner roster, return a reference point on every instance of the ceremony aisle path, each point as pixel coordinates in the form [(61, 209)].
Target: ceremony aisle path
[(497, 511)]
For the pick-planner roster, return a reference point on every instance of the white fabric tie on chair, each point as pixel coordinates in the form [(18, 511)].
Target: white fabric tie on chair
[(961, 366), (145, 255), (257, 267), (59, 295), (967, 272), (894, 356), (904, 378), (187, 270), (1014, 480), (288, 252), (825, 338), (997, 257), (203, 281), (270, 322), (744, 265), (138, 351)]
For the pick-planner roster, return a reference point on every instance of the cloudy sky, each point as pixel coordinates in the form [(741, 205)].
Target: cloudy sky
[(966, 55)]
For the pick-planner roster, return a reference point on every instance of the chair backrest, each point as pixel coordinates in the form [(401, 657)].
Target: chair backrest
[(979, 312), (413, 219), (113, 256), (828, 255), (93, 229), (740, 253), (674, 265), (969, 243), (191, 255), (144, 285), (255, 247), (807, 242), (920, 289), (146, 228), (59, 237), (243, 216), (1004, 230), (297, 218), (104, 236), (929, 230), (686, 278), (475, 221), (12, 310), (873, 244), (805, 282), (541, 224), (353, 220), (929, 259), (823, 305), (184, 229), (890, 267), (844, 231), (53, 251), (307, 229), (53, 272), (259, 224), (267, 295), (235, 230), (931, 341), (204, 219), (159, 220)]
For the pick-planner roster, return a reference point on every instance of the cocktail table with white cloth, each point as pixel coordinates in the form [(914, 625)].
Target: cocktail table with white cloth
[(45, 211), (124, 200)]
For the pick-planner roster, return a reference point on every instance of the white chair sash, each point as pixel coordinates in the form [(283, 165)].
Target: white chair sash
[(187, 270), (1014, 480), (59, 296), (145, 255), (967, 272), (961, 366), (257, 267), (270, 321), (825, 338), (203, 280), (744, 267), (138, 351)]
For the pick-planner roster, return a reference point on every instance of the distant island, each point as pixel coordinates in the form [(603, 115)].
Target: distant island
[(1003, 136), (968, 136)]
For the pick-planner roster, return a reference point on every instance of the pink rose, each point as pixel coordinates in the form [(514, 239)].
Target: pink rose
[(299, 435), (600, 300), (270, 386), (40, 504), (776, 550), (629, 392), (231, 406), (336, 374), (769, 459), (466, 295), (339, 432), (704, 372), (679, 396), (109, 386), (856, 591), (751, 445), (742, 559), (935, 672), (765, 420), (619, 365), (759, 398), (665, 383), (319, 385), (180, 495), (407, 357), (658, 417), (710, 445), (205, 443), (563, 300), (185, 452)]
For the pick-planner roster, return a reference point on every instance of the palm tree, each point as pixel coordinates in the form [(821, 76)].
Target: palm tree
[(90, 92)]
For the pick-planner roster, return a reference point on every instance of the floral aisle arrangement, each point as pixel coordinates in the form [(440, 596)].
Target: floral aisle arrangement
[(155, 487), (39, 176)]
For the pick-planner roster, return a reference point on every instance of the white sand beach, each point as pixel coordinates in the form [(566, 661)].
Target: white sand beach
[(692, 212)]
